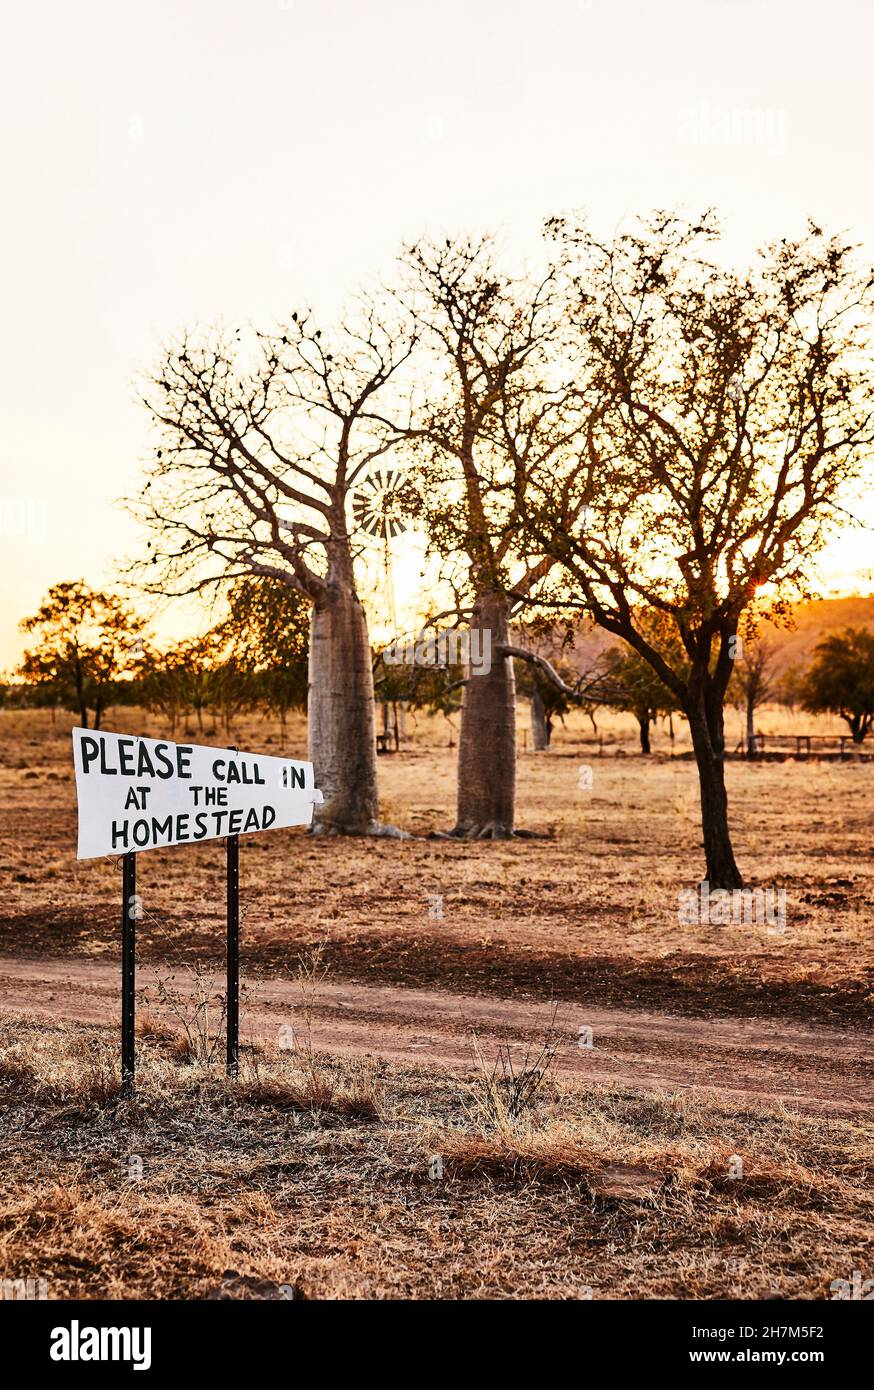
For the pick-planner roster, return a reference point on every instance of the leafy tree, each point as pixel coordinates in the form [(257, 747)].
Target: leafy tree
[(233, 688), (266, 632), (161, 683), (732, 410), (754, 683), (841, 680), (255, 655), (434, 687), (181, 678), (86, 643), (789, 688), (638, 688)]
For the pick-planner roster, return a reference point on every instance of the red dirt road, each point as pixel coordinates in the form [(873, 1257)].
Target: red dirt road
[(814, 1070)]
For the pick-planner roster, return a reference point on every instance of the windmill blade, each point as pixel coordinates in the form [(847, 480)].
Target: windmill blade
[(377, 504)]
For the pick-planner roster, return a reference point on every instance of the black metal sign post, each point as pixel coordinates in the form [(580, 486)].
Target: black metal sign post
[(233, 963), (233, 1005), (128, 971), (124, 825)]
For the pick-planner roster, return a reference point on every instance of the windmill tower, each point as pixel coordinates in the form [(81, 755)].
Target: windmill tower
[(380, 504)]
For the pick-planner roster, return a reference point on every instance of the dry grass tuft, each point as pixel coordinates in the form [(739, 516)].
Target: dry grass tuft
[(308, 1084), (152, 1028), (123, 1243), (551, 1161), (508, 1089)]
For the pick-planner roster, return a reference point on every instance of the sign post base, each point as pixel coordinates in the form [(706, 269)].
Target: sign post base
[(233, 990), (128, 972)]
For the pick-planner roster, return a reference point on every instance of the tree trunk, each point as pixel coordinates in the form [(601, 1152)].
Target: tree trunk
[(751, 730), (487, 742), (643, 725), (708, 741), (342, 741), (539, 729), (80, 694)]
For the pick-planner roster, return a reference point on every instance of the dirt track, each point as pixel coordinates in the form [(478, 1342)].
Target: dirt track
[(815, 1070)]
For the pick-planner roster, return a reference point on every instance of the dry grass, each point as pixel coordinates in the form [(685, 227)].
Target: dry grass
[(589, 915), (508, 1089), (310, 1176), (308, 1084), (258, 1189)]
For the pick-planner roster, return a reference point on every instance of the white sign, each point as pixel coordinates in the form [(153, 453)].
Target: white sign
[(143, 793)]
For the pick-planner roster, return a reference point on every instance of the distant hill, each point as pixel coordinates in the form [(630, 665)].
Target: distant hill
[(795, 645), (813, 622)]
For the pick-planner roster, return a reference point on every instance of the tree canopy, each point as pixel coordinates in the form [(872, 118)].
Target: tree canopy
[(86, 643), (841, 680)]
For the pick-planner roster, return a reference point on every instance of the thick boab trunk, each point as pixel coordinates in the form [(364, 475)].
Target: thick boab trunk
[(342, 744), (487, 743)]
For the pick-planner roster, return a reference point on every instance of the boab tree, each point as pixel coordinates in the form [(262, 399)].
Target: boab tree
[(735, 407), (494, 410), (260, 442)]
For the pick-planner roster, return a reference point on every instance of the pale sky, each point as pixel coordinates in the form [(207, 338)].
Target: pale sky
[(169, 164)]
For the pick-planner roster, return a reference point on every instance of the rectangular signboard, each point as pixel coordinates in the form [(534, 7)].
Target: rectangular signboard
[(141, 793)]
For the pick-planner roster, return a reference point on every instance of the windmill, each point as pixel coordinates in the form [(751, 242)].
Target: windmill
[(380, 505)]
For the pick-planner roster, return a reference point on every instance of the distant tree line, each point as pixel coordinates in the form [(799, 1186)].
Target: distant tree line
[(838, 680), (91, 651)]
